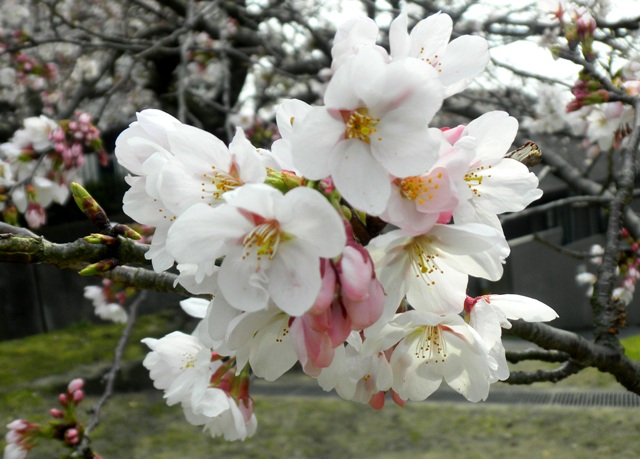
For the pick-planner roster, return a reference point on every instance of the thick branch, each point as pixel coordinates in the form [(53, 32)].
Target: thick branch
[(582, 352), (77, 255), (72, 255)]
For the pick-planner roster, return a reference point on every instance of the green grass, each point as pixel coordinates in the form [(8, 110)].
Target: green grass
[(139, 425), (632, 347), (25, 360)]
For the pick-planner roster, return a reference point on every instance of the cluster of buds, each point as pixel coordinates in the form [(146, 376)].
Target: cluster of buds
[(73, 137), (28, 67), (579, 31), (587, 91), (30, 72), (578, 26), (64, 427)]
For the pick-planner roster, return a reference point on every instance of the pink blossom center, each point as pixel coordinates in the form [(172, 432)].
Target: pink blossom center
[(420, 189)]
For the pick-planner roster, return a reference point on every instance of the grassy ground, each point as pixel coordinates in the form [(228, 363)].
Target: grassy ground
[(139, 425)]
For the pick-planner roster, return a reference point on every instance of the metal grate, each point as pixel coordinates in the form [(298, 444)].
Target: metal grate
[(535, 397)]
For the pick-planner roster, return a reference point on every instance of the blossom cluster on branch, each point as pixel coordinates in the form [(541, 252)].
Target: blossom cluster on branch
[(281, 239), (40, 161)]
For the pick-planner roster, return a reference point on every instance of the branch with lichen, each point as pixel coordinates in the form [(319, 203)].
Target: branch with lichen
[(78, 255)]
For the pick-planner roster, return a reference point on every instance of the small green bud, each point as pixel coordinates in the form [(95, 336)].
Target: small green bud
[(99, 267), (89, 206), (97, 238), (283, 180)]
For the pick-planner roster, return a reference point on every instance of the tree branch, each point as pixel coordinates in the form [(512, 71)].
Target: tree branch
[(581, 351), (557, 374)]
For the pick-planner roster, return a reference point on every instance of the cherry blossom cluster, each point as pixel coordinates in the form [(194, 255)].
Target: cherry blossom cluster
[(283, 240), (23, 436), (211, 389), (603, 123), (40, 161)]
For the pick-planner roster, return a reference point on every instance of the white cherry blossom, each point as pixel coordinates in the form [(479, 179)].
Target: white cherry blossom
[(374, 123), (458, 62), (272, 244), (429, 348)]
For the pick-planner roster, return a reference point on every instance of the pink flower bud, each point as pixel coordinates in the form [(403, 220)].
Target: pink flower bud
[(75, 384), (63, 399), (56, 413), (77, 396), (355, 271), (72, 436), (327, 290)]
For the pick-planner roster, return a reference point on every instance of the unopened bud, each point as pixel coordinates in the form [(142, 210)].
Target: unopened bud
[(63, 399), (283, 180), (75, 384), (125, 231), (99, 267), (77, 396), (97, 238), (89, 206), (56, 413), (72, 436)]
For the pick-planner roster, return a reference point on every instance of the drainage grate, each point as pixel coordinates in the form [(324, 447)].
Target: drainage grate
[(534, 397)]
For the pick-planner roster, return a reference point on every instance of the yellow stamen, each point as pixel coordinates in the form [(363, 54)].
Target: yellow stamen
[(431, 345), (361, 126)]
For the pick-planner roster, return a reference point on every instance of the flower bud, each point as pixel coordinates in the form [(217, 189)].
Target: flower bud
[(97, 238), (77, 396), (56, 413), (75, 384), (89, 206), (72, 436), (99, 267), (125, 231)]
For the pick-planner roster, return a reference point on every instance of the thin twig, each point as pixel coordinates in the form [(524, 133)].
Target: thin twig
[(110, 377)]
